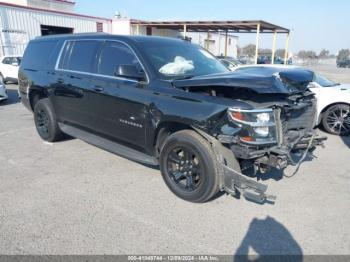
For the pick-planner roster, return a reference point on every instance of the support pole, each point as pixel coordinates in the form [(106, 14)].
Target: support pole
[(219, 45), (273, 47), (185, 30), (137, 29), (226, 39), (257, 43), (207, 41), (286, 49)]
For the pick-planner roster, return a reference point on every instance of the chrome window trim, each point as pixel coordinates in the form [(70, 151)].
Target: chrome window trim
[(100, 75)]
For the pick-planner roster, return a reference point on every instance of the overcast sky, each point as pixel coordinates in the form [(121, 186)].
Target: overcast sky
[(314, 24)]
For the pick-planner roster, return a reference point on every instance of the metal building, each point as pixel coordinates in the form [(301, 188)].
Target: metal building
[(20, 23), (196, 29), (215, 42)]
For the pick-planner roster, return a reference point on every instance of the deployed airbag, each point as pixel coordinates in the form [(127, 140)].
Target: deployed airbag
[(178, 67)]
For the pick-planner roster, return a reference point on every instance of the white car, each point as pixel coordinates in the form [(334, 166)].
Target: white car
[(9, 68), (333, 99), (3, 92)]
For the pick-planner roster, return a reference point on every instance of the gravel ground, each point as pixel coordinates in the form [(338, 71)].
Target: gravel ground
[(73, 198)]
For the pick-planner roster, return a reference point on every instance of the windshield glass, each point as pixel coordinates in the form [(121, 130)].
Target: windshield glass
[(323, 81), (181, 59)]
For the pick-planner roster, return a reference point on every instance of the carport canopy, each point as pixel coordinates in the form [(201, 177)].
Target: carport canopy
[(247, 26)]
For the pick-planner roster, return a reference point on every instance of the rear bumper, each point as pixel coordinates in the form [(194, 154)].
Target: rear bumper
[(25, 101)]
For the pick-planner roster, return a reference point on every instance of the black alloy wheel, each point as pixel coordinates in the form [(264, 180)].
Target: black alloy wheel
[(184, 168), (336, 120), (43, 123), (189, 166)]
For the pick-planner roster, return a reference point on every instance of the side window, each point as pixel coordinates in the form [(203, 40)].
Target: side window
[(79, 55), (7, 61), (114, 54), (37, 54)]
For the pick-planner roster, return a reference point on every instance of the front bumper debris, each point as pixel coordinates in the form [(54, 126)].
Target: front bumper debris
[(279, 156), (235, 182)]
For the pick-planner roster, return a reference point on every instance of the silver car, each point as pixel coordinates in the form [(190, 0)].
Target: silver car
[(3, 92)]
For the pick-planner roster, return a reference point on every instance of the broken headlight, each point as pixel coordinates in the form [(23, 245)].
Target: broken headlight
[(258, 126)]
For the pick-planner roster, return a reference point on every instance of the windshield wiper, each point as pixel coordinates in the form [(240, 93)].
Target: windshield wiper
[(332, 85)]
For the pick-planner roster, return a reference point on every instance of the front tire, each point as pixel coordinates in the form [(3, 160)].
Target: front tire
[(336, 120), (189, 167), (46, 121)]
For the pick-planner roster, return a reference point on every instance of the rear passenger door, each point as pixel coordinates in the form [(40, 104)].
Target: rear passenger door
[(120, 112), (72, 87)]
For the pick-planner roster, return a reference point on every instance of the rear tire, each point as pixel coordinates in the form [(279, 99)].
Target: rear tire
[(189, 166), (336, 120), (46, 121)]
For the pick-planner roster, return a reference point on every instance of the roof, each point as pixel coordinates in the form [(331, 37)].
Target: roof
[(54, 11), (3, 56), (65, 1), (101, 35), (247, 26)]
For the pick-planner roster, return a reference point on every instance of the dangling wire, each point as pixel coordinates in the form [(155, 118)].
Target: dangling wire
[(302, 158)]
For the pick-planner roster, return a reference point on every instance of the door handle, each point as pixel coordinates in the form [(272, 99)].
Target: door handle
[(98, 88), (74, 77)]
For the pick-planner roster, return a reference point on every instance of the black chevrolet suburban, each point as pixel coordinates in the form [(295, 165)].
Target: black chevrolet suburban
[(167, 102)]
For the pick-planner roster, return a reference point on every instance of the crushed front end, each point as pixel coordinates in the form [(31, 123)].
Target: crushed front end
[(276, 136), (277, 133), (268, 118)]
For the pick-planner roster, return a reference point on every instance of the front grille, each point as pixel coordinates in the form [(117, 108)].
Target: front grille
[(297, 121), (299, 118)]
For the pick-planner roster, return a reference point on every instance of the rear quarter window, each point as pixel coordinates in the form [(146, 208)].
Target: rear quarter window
[(38, 54), (79, 55)]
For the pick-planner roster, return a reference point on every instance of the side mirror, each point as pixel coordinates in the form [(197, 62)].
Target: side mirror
[(14, 64), (129, 71)]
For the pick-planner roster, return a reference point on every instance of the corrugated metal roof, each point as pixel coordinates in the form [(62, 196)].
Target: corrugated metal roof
[(247, 26), (53, 11)]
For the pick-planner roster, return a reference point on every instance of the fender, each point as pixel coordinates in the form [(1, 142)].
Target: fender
[(232, 181)]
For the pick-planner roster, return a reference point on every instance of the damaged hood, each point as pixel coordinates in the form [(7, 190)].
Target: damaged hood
[(287, 81)]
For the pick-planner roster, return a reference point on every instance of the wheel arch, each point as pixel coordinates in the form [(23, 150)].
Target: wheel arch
[(36, 94), (164, 130)]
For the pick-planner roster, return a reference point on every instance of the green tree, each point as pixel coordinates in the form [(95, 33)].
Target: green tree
[(239, 50), (343, 55), (265, 51), (303, 54), (249, 50), (280, 52), (324, 54)]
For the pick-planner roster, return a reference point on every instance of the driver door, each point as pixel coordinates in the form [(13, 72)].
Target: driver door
[(120, 108)]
